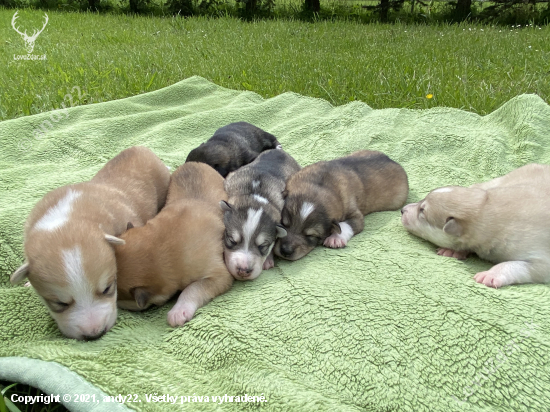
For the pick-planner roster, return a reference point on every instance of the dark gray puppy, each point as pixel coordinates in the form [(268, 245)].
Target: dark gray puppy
[(233, 146), (253, 212)]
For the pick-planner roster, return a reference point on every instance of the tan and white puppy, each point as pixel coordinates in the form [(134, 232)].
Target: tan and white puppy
[(326, 201), (179, 250), (504, 221), (69, 234)]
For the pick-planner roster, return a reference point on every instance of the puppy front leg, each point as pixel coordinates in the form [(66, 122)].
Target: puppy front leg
[(269, 261), (510, 273), (457, 254), (198, 294), (349, 227)]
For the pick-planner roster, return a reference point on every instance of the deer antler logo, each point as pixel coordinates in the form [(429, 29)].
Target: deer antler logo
[(29, 40)]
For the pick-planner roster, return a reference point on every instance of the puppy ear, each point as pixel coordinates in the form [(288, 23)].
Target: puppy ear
[(281, 231), (141, 296), (226, 207), (452, 227), (335, 227), (114, 240), (129, 226), (20, 274)]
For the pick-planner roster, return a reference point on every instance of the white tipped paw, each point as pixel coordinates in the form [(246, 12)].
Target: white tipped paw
[(335, 241), (457, 254), (269, 263), (491, 278), (180, 314)]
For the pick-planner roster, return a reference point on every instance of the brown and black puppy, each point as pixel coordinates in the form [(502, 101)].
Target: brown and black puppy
[(326, 201), (70, 233), (504, 221), (233, 146), (180, 249)]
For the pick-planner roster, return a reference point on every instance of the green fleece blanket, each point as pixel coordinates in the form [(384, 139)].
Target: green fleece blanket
[(382, 325)]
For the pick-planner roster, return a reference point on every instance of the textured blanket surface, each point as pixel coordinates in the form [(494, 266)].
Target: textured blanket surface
[(382, 325)]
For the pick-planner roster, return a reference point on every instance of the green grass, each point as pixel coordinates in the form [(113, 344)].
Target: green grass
[(472, 67)]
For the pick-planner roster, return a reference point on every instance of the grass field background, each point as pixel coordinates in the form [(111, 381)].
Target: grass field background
[(472, 67), (101, 57)]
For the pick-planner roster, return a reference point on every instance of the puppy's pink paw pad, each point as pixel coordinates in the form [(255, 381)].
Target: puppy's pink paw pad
[(490, 279), (269, 263), (457, 254), (335, 241), (178, 316)]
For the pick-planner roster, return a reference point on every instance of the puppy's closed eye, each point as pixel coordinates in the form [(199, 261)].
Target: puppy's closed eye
[(229, 241), (263, 248), (57, 306)]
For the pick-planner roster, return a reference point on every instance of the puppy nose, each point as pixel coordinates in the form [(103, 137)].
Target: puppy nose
[(96, 336), (244, 271), (286, 250)]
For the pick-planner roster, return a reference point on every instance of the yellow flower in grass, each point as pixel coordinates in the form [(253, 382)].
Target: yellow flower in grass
[(429, 96)]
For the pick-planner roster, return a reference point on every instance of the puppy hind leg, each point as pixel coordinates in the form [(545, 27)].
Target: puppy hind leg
[(348, 228), (198, 294), (510, 273)]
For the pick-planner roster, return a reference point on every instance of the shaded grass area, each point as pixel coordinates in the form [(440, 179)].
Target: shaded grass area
[(467, 66), (24, 390)]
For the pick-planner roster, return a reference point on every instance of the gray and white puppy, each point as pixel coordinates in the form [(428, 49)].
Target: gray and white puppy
[(233, 146), (253, 212)]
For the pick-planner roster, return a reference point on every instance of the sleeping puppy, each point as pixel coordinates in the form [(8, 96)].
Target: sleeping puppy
[(326, 201), (233, 146), (253, 212), (503, 221), (69, 238), (179, 250)]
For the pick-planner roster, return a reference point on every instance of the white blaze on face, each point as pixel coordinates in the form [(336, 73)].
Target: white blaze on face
[(58, 215), (306, 210), (261, 199), (443, 190), (243, 258), (89, 315)]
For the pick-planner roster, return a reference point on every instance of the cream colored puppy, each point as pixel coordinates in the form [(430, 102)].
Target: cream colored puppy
[(504, 221), (69, 236)]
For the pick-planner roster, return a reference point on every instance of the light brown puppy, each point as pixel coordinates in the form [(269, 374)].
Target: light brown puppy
[(504, 221), (69, 236), (180, 249), (326, 202)]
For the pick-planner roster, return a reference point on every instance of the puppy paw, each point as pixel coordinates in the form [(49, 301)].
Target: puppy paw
[(335, 241), (457, 254), (269, 263), (27, 284), (180, 314), (490, 278)]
